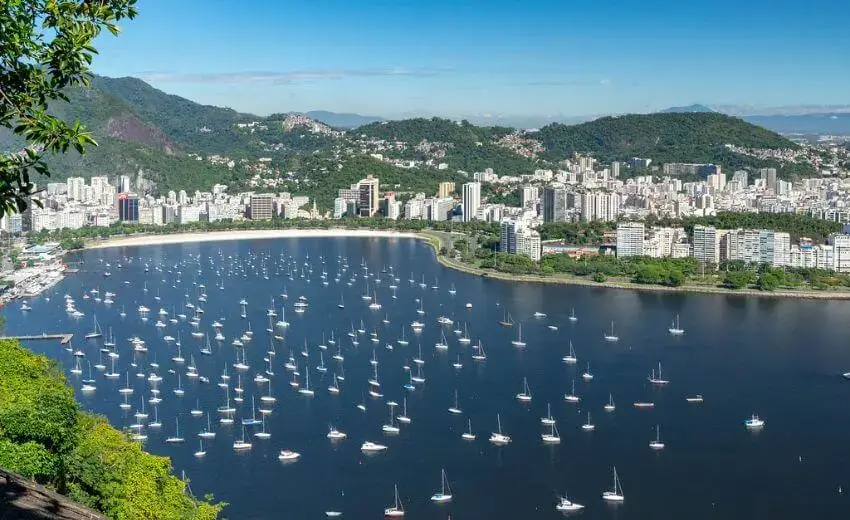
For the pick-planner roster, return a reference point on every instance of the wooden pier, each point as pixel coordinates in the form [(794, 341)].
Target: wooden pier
[(64, 339)]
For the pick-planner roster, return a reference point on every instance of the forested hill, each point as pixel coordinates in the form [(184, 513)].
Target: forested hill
[(695, 137), (434, 129)]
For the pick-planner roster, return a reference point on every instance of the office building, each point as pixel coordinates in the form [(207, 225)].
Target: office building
[(123, 184), (705, 245), (261, 206), (445, 190), (630, 239), (768, 175), (471, 200), (368, 196), (555, 204), (128, 207)]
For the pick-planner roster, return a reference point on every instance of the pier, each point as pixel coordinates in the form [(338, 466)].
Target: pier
[(64, 339)]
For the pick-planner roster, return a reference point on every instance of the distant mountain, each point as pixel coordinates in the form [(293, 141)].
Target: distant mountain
[(341, 120), (686, 110), (671, 137), (817, 124)]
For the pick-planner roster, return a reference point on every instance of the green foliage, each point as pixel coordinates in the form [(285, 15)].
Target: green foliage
[(580, 233), (599, 277), (643, 270), (666, 138), (43, 435), (796, 225), (471, 149), (518, 264), (46, 48), (739, 279), (506, 196)]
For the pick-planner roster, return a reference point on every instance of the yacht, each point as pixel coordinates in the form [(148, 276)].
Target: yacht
[(289, 455), (616, 494), (754, 423), (694, 399), (336, 435), (539, 314), (565, 506), (369, 446)]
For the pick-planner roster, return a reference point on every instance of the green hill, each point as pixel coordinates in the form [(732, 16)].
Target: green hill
[(696, 137)]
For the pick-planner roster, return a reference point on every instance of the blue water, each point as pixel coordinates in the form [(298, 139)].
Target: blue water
[(778, 358)]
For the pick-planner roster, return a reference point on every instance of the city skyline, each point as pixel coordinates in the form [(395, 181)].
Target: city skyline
[(486, 59)]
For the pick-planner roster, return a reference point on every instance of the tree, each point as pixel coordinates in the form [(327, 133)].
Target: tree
[(45, 47)]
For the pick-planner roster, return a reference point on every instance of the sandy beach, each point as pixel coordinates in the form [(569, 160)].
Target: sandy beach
[(214, 236)]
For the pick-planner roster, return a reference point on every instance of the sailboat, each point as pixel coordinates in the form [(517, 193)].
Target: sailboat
[(657, 379), (572, 397), (201, 452), (96, 331), (241, 444), (391, 427), (208, 433), (552, 437), (525, 395), (479, 354), (587, 375), (176, 439), (571, 358), (404, 418), (442, 344), (616, 494), (518, 342), (506, 320), (499, 438), (452, 290), (341, 304), (611, 337), (468, 435), (573, 316), (445, 494), (548, 420), (306, 390), (397, 510), (588, 426), (675, 329), (657, 444), (403, 342), (609, 407), (455, 409), (263, 434)]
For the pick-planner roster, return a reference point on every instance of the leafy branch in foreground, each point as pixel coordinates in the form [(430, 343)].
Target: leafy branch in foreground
[(45, 47)]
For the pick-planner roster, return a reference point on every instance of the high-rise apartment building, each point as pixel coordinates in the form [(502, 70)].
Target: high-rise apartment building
[(706, 249), (368, 196), (630, 239), (471, 200), (261, 206), (554, 204), (128, 207), (599, 205), (517, 238), (445, 189), (75, 188), (768, 175)]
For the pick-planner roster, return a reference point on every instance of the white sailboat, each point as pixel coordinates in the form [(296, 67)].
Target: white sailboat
[(445, 494), (609, 407), (657, 379), (616, 494), (525, 395), (397, 510), (390, 428), (241, 444), (572, 397), (548, 420), (518, 342), (675, 329), (468, 435), (404, 418), (176, 439), (455, 409), (552, 436), (588, 426), (498, 438), (657, 444), (611, 337), (570, 358)]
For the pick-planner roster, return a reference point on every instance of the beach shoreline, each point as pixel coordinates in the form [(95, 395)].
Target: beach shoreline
[(226, 236), (435, 242)]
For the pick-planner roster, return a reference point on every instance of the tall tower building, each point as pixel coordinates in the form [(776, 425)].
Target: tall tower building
[(368, 196), (471, 200)]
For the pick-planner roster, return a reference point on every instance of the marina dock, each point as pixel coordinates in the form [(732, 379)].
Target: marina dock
[(64, 339)]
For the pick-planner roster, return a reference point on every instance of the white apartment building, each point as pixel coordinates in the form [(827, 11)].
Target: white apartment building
[(774, 247), (841, 251), (471, 200), (630, 239), (706, 249), (517, 238), (599, 205)]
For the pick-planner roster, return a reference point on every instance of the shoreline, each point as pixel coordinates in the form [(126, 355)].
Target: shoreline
[(227, 236), (630, 286), (435, 242)]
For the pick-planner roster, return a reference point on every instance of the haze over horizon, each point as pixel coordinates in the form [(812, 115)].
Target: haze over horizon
[(484, 57)]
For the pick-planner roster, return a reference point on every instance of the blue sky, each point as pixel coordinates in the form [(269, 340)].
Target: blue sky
[(475, 57)]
